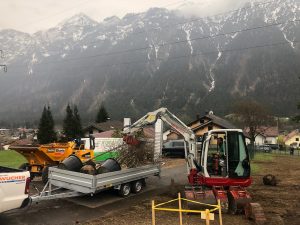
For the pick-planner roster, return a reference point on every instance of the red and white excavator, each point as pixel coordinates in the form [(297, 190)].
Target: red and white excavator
[(219, 170)]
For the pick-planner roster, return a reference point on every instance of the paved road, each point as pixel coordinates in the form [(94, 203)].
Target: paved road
[(80, 209)]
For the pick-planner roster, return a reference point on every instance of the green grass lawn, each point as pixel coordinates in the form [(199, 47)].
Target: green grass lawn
[(259, 157), (11, 158)]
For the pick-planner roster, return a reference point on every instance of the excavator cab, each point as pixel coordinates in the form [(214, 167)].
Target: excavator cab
[(224, 159)]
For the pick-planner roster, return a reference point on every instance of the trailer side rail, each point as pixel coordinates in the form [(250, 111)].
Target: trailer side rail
[(89, 184)]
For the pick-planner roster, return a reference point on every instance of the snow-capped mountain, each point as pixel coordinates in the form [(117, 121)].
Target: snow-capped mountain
[(152, 59)]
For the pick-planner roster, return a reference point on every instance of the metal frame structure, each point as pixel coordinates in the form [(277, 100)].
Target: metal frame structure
[(65, 184)]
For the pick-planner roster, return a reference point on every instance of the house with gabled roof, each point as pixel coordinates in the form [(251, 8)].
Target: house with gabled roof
[(96, 128), (293, 138), (209, 122)]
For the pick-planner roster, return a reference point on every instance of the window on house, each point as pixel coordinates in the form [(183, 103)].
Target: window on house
[(297, 139), (210, 127)]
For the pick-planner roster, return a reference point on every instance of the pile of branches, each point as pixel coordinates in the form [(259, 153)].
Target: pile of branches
[(132, 156)]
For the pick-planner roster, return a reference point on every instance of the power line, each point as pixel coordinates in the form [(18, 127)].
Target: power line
[(170, 43), (194, 55)]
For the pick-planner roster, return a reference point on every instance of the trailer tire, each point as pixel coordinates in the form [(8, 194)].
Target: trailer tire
[(137, 186), (45, 172), (125, 190)]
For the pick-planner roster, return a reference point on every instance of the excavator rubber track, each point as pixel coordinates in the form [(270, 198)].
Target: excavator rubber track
[(255, 212)]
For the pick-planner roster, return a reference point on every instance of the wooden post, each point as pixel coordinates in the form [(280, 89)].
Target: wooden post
[(207, 216), (220, 212), (179, 204), (153, 213)]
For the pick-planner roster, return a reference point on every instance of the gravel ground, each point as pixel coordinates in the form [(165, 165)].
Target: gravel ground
[(281, 203)]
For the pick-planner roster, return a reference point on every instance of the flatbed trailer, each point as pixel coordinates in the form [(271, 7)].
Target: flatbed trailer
[(64, 183)]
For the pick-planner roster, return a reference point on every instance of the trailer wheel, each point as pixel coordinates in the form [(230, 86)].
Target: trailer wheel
[(45, 172), (137, 186), (125, 190)]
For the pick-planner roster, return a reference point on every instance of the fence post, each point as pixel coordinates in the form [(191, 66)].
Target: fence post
[(153, 213), (220, 212), (179, 204), (207, 216)]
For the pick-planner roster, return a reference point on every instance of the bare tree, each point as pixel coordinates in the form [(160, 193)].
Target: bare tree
[(297, 118), (252, 116)]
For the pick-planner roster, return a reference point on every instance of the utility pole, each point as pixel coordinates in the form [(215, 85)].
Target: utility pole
[(2, 65), (4, 68)]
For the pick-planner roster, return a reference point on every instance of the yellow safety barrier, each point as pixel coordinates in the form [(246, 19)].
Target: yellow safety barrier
[(206, 214)]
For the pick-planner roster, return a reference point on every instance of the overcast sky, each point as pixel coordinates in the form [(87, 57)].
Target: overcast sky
[(33, 15)]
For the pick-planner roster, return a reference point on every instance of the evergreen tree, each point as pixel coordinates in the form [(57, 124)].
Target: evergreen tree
[(52, 133), (72, 128), (46, 133), (68, 124), (102, 115), (77, 123)]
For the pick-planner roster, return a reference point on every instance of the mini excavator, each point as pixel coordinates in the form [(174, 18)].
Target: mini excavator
[(220, 169)]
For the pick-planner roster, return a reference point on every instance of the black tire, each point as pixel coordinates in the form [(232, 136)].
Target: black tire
[(125, 190), (45, 172), (137, 186)]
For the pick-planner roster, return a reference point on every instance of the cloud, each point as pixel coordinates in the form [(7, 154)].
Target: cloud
[(33, 15), (204, 8)]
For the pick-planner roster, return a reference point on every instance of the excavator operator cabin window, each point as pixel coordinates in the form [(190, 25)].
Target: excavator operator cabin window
[(238, 160), (216, 155)]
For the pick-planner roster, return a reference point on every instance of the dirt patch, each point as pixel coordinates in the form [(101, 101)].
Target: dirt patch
[(172, 162), (280, 203)]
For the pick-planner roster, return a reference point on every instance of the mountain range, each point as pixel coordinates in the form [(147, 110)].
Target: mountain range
[(158, 58)]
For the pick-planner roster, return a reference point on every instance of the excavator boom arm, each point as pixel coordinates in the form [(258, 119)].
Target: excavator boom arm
[(155, 118)]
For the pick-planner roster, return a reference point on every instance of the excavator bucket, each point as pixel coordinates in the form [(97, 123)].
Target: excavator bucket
[(131, 140)]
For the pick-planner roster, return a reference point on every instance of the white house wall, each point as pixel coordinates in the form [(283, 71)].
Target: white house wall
[(260, 140), (271, 140)]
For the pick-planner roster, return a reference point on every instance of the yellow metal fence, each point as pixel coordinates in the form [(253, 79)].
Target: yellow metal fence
[(207, 214)]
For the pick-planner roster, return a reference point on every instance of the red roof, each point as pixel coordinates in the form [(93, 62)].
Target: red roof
[(23, 142), (105, 134), (270, 131), (291, 134), (265, 131)]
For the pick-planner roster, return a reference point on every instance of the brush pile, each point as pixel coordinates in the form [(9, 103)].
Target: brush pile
[(132, 156)]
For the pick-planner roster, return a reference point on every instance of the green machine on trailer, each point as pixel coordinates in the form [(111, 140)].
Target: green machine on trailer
[(103, 146)]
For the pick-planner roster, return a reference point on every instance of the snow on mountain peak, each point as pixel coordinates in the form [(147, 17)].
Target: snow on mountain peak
[(111, 20), (78, 20)]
